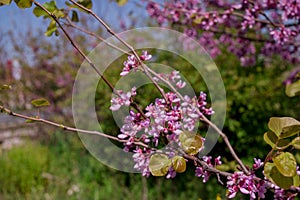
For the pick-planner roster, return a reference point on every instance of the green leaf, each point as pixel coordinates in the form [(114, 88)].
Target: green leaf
[(293, 89), (270, 138), (121, 2), (267, 170), (283, 144), (23, 3), (286, 164), (290, 131), (159, 164), (40, 102), (296, 143), (281, 180), (5, 2), (5, 87), (179, 164), (296, 181), (191, 143), (51, 28), (59, 13), (37, 11), (74, 17), (50, 6), (283, 126), (198, 20), (86, 3)]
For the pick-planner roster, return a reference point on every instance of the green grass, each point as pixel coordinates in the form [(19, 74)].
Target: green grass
[(51, 169)]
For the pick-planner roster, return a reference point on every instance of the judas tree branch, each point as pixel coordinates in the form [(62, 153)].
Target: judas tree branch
[(74, 44), (110, 31), (67, 128)]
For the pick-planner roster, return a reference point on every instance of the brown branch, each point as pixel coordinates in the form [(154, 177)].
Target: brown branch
[(67, 128), (74, 44), (72, 25), (110, 31), (225, 138)]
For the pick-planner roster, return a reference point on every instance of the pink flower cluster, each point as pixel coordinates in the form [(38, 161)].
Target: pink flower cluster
[(122, 99), (200, 172), (164, 119), (238, 25), (173, 77), (133, 63), (246, 184)]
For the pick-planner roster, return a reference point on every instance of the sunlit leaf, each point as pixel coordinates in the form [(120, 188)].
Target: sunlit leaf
[(281, 180), (267, 170), (51, 28), (59, 13), (270, 138), (159, 164), (40, 102), (5, 2), (198, 20), (121, 2), (296, 143), (50, 6), (191, 143), (286, 164), (283, 126), (37, 11), (23, 3), (290, 131), (293, 89), (296, 180), (179, 164)]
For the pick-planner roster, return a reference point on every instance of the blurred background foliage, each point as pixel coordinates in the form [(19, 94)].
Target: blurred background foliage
[(57, 166)]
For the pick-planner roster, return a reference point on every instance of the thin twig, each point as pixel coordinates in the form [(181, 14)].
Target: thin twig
[(74, 44), (71, 24), (67, 128), (225, 138), (109, 30)]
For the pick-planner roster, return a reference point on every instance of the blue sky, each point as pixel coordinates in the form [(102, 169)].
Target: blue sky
[(19, 20), (12, 17)]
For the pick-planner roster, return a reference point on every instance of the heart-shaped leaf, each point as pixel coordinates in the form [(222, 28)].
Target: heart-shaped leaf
[(159, 164), (270, 138), (290, 131), (267, 170), (283, 126), (281, 180), (191, 143), (179, 164), (286, 164)]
